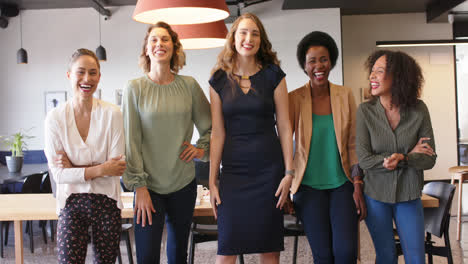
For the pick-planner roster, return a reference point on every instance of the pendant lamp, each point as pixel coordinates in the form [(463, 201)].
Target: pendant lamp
[(202, 36), (21, 55), (101, 51), (179, 12)]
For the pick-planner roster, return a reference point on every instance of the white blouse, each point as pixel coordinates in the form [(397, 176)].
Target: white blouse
[(105, 141)]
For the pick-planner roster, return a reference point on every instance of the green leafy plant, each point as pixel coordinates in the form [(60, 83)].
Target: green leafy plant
[(17, 142)]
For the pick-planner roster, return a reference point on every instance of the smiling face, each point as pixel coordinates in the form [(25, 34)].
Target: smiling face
[(247, 38), (159, 47), (317, 65), (84, 75), (380, 80)]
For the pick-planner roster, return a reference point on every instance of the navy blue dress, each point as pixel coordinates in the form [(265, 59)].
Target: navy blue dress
[(252, 165)]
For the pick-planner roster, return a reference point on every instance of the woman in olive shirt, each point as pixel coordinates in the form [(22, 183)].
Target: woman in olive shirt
[(394, 144), (160, 110)]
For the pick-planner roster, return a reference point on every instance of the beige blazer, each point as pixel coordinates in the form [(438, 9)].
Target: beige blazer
[(344, 119)]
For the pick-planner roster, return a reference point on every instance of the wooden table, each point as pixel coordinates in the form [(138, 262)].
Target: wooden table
[(22, 207), (429, 201)]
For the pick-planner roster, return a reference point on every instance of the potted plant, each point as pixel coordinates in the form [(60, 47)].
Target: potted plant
[(16, 143)]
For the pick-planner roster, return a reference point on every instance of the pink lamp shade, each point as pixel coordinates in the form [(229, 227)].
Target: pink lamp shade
[(202, 36), (179, 12)]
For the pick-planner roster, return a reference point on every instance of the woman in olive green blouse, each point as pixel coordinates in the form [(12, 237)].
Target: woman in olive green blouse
[(160, 110), (394, 145)]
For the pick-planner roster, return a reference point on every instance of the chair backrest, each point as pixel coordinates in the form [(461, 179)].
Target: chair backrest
[(202, 172), (46, 186), (204, 220), (53, 184), (437, 219), (32, 184)]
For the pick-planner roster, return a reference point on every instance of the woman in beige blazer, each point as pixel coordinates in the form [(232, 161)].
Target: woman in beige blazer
[(322, 116)]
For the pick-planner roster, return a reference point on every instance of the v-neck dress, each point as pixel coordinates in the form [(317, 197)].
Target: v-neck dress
[(252, 165)]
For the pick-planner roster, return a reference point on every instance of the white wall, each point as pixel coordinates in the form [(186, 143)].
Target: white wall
[(462, 83), (359, 36), (50, 37)]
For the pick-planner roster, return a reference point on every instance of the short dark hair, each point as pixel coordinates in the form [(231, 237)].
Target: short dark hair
[(317, 38), (407, 77)]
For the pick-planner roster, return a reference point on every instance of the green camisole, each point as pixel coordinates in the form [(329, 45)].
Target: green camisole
[(324, 169)]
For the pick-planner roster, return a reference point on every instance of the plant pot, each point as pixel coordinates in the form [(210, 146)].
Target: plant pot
[(14, 163)]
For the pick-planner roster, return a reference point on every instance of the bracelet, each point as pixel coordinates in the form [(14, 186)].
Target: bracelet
[(290, 172), (405, 157), (358, 182)]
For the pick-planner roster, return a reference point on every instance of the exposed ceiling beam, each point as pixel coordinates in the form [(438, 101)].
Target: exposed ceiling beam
[(99, 6), (440, 7)]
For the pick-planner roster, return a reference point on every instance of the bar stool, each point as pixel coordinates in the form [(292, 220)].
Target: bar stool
[(459, 173)]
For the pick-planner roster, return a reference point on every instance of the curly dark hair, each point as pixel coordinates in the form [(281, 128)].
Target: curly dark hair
[(407, 77), (317, 38)]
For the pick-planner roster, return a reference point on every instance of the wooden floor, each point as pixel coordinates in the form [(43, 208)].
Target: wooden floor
[(205, 252)]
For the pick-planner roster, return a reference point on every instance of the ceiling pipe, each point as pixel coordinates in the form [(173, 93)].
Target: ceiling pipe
[(436, 9), (7, 10), (99, 6)]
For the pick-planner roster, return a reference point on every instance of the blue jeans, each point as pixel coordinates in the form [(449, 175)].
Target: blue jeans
[(409, 221), (330, 222), (176, 209)]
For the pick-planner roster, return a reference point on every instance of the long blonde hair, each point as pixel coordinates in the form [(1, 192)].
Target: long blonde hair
[(178, 54), (227, 58)]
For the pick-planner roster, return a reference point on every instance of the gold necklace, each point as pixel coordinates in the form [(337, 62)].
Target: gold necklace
[(243, 78)]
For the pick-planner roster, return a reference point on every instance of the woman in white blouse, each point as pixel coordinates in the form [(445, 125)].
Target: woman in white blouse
[(84, 145)]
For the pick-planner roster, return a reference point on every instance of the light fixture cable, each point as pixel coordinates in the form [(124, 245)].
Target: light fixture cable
[(21, 30), (21, 55), (99, 18)]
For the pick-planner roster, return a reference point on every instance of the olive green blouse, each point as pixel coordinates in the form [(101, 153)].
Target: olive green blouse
[(157, 120), (376, 140)]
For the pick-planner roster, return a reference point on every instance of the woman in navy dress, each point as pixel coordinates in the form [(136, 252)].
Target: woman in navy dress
[(249, 102)]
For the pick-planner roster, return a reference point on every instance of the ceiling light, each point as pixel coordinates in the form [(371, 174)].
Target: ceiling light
[(202, 36), (101, 51), (21, 55), (179, 12)]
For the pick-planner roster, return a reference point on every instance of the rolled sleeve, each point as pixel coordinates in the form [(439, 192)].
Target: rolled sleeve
[(202, 119), (134, 176)]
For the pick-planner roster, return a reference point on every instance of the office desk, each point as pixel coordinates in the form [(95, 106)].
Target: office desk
[(28, 169), (22, 207)]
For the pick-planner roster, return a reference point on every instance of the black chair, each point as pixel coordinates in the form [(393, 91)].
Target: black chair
[(33, 184), (293, 227), (204, 228), (46, 187), (437, 220), (126, 227), (126, 236), (1, 233)]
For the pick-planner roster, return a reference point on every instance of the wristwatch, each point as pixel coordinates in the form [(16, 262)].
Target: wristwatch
[(290, 172)]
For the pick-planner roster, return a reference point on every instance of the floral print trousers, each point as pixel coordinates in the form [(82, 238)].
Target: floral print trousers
[(82, 211)]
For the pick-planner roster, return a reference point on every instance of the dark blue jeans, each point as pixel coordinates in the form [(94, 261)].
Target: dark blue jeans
[(176, 209), (330, 222)]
